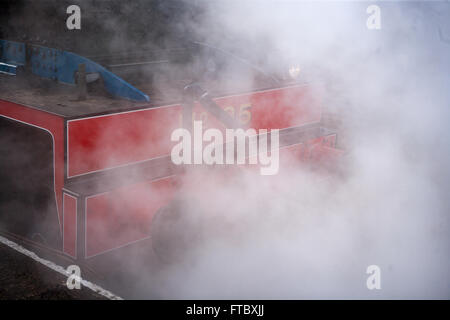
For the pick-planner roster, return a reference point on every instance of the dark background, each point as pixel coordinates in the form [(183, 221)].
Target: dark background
[(105, 25)]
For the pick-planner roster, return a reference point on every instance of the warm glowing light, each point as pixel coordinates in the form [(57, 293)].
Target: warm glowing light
[(294, 71)]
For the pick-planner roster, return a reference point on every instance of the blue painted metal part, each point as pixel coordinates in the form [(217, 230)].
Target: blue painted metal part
[(8, 68), (62, 66), (12, 52)]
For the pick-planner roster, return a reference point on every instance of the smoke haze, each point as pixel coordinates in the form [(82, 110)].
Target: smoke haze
[(300, 235), (315, 238)]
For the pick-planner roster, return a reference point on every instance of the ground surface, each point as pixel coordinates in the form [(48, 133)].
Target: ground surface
[(23, 278)]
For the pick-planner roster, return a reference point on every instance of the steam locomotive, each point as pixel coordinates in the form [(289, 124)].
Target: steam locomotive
[(85, 136)]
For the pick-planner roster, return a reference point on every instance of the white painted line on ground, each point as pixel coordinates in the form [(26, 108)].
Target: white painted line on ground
[(97, 289)]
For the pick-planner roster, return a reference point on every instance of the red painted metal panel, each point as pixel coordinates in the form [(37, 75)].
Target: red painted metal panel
[(70, 225), (108, 141), (277, 108), (124, 215), (113, 140)]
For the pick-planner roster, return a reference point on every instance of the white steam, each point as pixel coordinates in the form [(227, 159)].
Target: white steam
[(314, 238)]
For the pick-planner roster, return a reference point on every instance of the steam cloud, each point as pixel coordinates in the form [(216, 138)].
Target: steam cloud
[(313, 238)]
